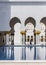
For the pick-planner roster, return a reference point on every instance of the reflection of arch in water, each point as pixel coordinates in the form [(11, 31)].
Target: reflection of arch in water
[(33, 23)]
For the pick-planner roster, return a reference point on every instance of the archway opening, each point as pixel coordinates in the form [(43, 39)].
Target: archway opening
[(43, 30), (29, 33), (17, 35), (15, 29), (30, 24), (42, 34)]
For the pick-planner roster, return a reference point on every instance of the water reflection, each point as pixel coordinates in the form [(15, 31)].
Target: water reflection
[(8, 53), (29, 53), (22, 53), (40, 51)]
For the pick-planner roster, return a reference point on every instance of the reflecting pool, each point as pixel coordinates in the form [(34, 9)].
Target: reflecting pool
[(22, 53)]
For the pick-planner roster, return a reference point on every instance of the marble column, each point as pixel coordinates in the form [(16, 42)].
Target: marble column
[(7, 39), (12, 38), (23, 33), (4, 39)]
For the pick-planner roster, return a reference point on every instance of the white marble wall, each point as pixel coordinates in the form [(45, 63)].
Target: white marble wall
[(7, 12)]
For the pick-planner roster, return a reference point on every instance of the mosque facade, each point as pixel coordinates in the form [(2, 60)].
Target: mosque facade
[(22, 23)]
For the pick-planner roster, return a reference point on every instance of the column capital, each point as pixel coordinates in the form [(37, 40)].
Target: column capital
[(23, 32), (37, 32)]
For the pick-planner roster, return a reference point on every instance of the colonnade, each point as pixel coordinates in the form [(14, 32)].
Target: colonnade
[(6, 38)]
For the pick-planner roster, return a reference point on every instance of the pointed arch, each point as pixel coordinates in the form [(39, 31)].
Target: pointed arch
[(30, 20), (43, 20), (13, 21)]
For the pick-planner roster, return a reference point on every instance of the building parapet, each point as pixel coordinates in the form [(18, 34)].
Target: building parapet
[(23, 2)]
